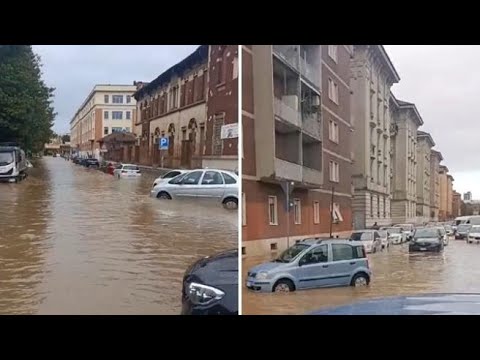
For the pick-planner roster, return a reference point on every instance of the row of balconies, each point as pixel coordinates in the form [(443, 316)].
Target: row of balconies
[(287, 110)]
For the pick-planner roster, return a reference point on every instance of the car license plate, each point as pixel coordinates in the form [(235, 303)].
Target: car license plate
[(249, 284), (423, 249)]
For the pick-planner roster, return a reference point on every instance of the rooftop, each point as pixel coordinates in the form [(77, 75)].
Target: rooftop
[(197, 57), (410, 106), (426, 136)]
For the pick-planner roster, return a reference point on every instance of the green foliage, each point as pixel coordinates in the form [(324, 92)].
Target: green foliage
[(26, 110)]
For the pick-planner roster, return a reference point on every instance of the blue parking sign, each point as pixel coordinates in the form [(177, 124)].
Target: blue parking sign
[(164, 143)]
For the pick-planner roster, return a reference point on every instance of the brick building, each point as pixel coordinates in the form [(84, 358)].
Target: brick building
[(296, 144), (174, 106), (221, 143)]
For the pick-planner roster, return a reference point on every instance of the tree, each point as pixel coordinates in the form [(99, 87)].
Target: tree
[(65, 138), (26, 110)]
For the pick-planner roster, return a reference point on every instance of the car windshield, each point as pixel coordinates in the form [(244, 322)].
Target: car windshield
[(361, 236), (6, 158), (426, 233), (475, 229), (171, 174), (463, 228), (291, 253), (394, 230), (130, 168)]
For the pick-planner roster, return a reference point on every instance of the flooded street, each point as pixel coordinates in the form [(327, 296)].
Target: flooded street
[(395, 272), (78, 241)]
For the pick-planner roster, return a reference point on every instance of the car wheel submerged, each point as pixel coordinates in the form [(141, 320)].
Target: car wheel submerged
[(283, 286), (360, 280), (230, 203), (163, 195)]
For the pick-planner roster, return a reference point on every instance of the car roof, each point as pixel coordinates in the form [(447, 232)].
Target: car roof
[(313, 241), (129, 165), (424, 304)]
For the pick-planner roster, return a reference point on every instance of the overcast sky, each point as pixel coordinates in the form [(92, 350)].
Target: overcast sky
[(74, 69), (443, 82)]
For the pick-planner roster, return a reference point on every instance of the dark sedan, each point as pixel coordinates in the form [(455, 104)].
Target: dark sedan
[(210, 285), (462, 231), (91, 163), (427, 239)]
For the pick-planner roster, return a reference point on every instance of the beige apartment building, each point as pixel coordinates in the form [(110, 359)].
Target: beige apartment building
[(450, 181), (108, 108), (373, 75), (435, 160), (405, 121), (424, 149), (442, 174)]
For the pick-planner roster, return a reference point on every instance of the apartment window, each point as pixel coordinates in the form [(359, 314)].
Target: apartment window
[(334, 171), (129, 99), (378, 206), (105, 115), (333, 133), (173, 97), (297, 211), (117, 115), (316, 212), (105, 130), (105, 99), (332, 52), (244, 209), (336, 214), (272, 210), (117, 99), (127, 115), (116, 129), (332, 91)]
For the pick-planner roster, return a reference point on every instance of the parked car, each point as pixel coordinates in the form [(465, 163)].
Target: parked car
[(444, 234), (204, 183), (384, 239), (449, 230), (396, 236), (408, 229), (126, 171), (474, 234), (371, 239), (313, 263), (91, 163), (210, 285), (427, 239), (462, 231), (169, 175)]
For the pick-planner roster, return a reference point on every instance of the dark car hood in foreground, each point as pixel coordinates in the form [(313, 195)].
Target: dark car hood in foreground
[(427, 304), (216, 270)]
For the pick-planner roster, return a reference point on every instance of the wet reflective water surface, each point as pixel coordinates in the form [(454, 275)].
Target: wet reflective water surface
[(78, 241), (395, 272)]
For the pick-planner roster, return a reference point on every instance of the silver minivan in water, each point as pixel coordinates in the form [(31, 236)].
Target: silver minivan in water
[(313, 263)]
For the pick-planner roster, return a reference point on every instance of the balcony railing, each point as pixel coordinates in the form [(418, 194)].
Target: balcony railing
[(289, 53), (286, 111), (312, 125), (311, 73)]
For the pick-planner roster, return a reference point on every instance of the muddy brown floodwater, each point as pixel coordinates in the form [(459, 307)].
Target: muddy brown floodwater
[(78, 241), (395, 272)]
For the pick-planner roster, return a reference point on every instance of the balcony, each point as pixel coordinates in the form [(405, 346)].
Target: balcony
[(312, 125), (286, 109), (311, 73), (288, 53), (312, 176), (287, 170)]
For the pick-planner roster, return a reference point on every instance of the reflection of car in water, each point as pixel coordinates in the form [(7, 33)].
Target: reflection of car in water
[(313, 263), (210, 285), (424, 304), (13, 163), (202, 183)]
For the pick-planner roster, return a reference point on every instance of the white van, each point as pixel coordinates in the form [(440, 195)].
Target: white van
[(13, 163)]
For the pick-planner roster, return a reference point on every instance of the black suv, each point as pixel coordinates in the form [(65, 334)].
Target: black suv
[(210, 285), (91, 163)]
